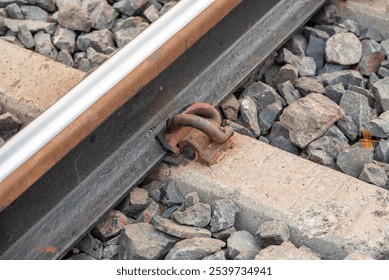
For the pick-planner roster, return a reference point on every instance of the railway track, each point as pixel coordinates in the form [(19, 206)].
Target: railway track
[(74, 162)]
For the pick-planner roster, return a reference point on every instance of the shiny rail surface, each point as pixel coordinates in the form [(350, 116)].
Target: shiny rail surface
[(56, 210)]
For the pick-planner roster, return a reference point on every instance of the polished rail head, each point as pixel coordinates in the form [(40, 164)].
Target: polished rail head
[(50, 123)]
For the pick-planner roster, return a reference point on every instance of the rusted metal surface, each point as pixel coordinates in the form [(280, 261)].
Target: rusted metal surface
[(197, 134), (101, 170)]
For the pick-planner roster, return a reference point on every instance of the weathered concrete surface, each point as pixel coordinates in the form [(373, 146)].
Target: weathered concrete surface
[(369, 13), (326, 210), (30, 83)]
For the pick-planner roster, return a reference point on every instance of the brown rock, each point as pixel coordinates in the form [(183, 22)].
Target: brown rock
[(285, 251)]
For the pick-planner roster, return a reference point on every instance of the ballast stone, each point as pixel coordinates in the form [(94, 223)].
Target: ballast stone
[(343, 49), (272, 233), (194, 248), (223, 214), (285, 251), (372, 56), (353, 160), (381, 91), (374, 174), (170, 227), (239, 242)]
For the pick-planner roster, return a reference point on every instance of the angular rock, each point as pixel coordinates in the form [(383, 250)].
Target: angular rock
[(286, 73), (174, 229), (194, 249), (271, 73), (352, 26), (110, 225), (230, 107), (357, 107), (268, 115), (248, 111), (353, 160), (135, 202), (309, 118), (247, 255), (284, 144), (314, 32), (335, 132), (5, 3), (382, 151), (91, 246), (371, 34), (100, 40), (110, 251), (102, 16), (149, 213), (307, 85), (9, 125), (151, 13), (191, 199), (263, 139), (381, 92), (142, 241), (34, 13), (372, 56), (385, 45), (272, 233), (285, 251), (65, 57), (64, 39), (372, 79), (44, 46), (130, 7), (77, 58), (330, 68), (322, 158), (74, 17), (288, 92), (25, 37), (331, 29), (238, 128), (343, 49), (47, 5), (278, 130), (154, 190), (383, 72), (365, 92), (348, 127), (171, 194), (331, 145), (327, 14), (124, 36), (84, 65), (14, 12), (224, 234), (169, 211), (198, 215), (219, 255), (334, 92), (315, 49), (306, 66), (357, 256), (32, 25), (167, 7), (373, 174), (3, 28), (262, 94), (95, 57), (241, 241), (223, 214), (379, 127), (344, 77)]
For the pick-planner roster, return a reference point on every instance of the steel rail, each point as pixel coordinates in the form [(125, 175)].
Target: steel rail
[(101, 170)]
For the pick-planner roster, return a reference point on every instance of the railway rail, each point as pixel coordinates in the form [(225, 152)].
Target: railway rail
[(74, 162)]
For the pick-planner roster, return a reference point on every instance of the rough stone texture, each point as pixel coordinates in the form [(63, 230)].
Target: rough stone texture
[(272, 233), (379, 127), (262, 94), (343, 49), (278, 130), (356, 106), (374, 174), (142, 241), (309, 118), (191, 199), (247, 255), (198, 215), (329, 68), (315, 32), (307, 85), (171, 194), (353, 160), (154, 189), (110, 251), (284, 144), (102, 15), (135, 202), (219, 255), (91, 246), (286, 73), (95, 57), (33, 26), (372, 56), (239, 128), (372, 34), (332, 145), (348, 127), (126, 34), (34, 13), (65, 58), (288, 92), (383, 72), (268, 115), (241, 241), (248, 111), (9, 125), (230, 107), (25, 37), (224, 234), (110, 225), (74, 17), (169, 211), (223, 214), (64, 39), (305, 65), (382, 151), (385, 45), (365, 92), (327, 14), (14, 11), (352, 26), (130, 7), (194, 249), (334, 92), (322, 157), (285, 251), (44, 46), (174, 229), (357, 256), (381, 92), (149, 213), (100, 40), (315, 50), (151, 13), (344, 77), (84, 65)]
